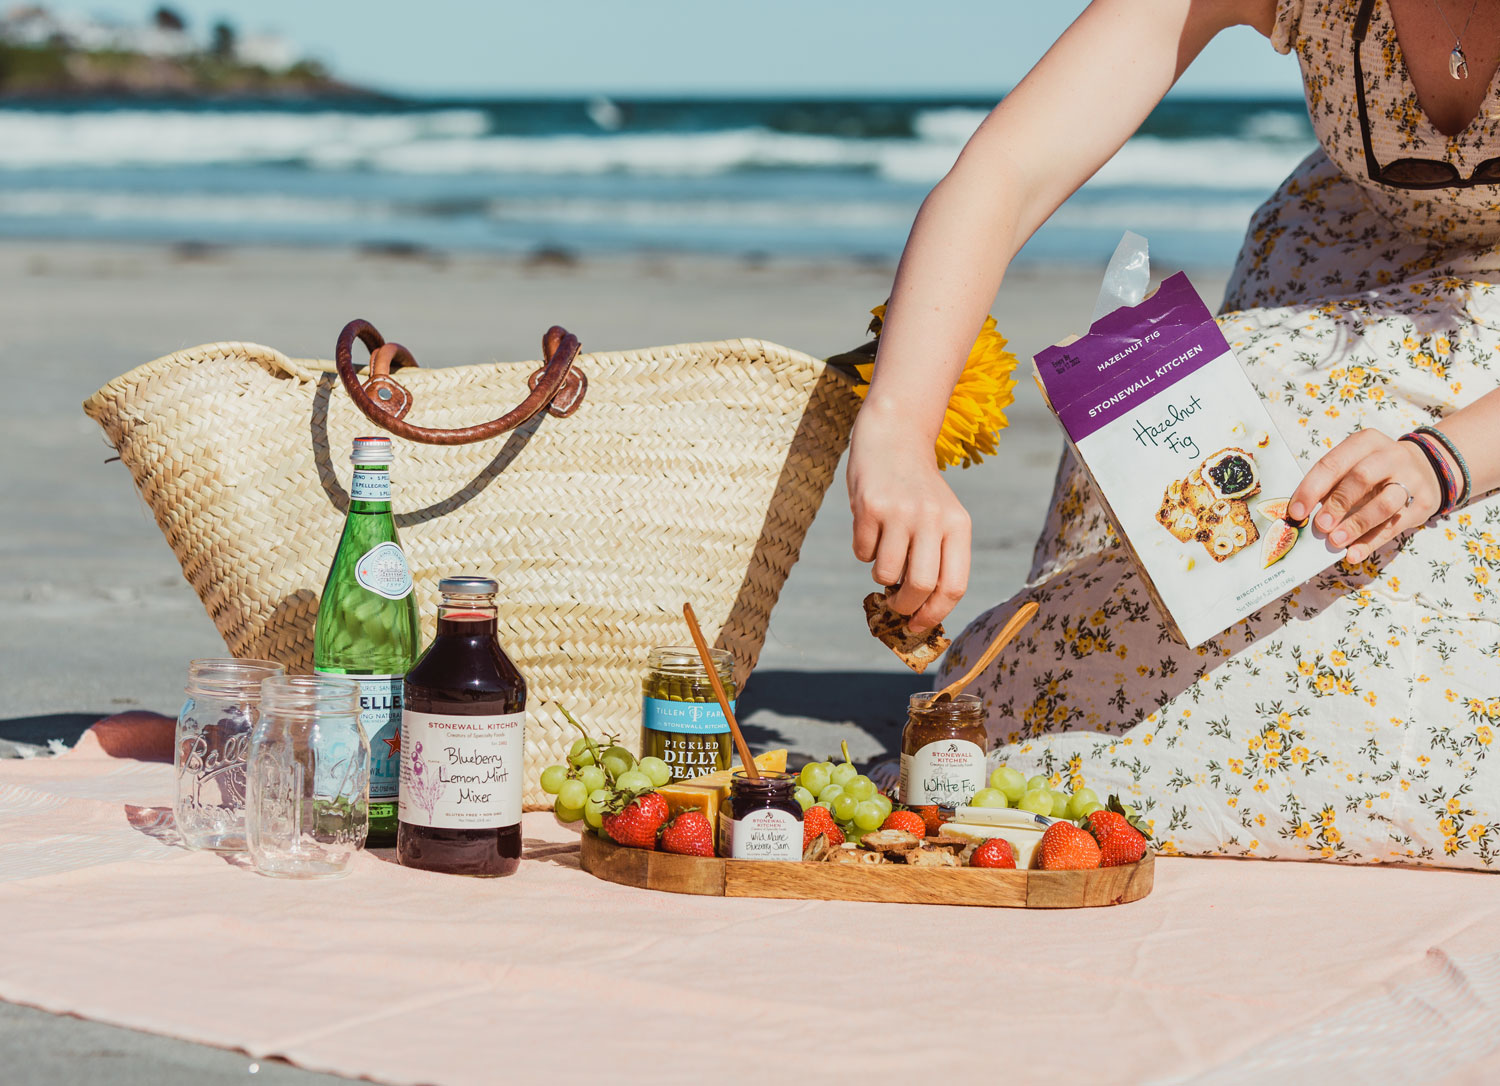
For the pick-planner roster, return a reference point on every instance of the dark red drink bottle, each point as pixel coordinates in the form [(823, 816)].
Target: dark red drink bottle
[(462, 743)]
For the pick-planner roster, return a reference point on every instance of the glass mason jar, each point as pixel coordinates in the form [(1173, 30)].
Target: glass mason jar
[(942, 751), (766, 822), (681, 722), (213, 735), (308, 778)]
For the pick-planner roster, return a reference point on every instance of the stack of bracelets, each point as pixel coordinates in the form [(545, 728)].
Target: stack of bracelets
[(1433, 442)]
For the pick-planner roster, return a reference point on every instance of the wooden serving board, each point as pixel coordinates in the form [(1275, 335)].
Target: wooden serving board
[(874, 882)]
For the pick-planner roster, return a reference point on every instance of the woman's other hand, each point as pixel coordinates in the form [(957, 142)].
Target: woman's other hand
[(907, 520), (1363, 483)]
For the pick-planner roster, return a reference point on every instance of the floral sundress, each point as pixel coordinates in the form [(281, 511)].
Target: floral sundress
[(1355, 718)]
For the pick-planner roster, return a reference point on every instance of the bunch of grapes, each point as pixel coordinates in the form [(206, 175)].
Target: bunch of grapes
[(598, 773), (852, 798), (1008, 788)]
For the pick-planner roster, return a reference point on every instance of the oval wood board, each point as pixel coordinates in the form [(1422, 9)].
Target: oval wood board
[(873, 882)]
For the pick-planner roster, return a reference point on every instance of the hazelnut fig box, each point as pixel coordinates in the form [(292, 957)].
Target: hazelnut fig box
[(1185, 458)]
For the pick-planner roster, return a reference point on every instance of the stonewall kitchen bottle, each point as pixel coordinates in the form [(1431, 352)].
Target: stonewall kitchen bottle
[(463, 743), (367, 624)]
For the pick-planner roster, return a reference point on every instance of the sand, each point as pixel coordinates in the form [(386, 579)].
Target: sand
[(96, 616)]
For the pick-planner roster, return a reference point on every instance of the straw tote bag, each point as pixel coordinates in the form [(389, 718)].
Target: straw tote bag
[(610, 489)]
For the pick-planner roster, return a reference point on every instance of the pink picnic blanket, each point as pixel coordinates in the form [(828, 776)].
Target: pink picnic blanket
[(1230, 972)]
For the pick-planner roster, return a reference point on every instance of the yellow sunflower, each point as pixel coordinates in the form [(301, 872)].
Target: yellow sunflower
[(976, 411)]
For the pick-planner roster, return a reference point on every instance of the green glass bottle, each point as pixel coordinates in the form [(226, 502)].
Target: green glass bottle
[(367, 624)]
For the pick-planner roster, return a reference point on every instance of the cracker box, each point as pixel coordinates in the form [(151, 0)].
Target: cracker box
[(1185, 459)]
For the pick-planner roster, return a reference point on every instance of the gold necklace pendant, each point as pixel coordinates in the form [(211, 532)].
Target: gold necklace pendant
[(1458, 64)]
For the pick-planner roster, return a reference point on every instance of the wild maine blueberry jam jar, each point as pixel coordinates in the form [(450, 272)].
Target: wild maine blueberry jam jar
[(765, 820)]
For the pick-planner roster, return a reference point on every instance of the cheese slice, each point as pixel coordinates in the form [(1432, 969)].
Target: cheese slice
[(705, 793), (1023, 842)]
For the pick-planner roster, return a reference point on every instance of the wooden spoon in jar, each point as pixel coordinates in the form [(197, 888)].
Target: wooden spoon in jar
[(1006, 635), (741, 747)]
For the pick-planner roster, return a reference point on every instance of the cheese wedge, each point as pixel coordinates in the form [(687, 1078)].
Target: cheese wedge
[(705, 793), (1002, 816), (1023, 842)]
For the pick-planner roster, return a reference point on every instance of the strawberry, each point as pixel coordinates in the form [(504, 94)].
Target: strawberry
[(996, 852), (1119, 841), (909, 821), (930, 816), (637, 824), (1065, 847), (816, 820), (689, 834)]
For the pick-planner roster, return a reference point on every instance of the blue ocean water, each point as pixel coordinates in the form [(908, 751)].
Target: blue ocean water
[(810, 178)]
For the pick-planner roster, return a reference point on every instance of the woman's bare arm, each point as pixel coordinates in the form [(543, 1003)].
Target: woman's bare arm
[(1074, 110)]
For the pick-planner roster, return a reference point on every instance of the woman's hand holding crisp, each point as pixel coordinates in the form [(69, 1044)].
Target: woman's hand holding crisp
[(1364, 483), (907, 520)]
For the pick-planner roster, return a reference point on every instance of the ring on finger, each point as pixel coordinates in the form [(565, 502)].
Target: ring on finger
[(1398, 482)]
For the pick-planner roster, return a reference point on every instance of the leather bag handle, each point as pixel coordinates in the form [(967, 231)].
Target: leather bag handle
[(556, 387)]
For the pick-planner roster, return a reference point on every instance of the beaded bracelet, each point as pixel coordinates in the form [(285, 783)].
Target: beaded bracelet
[(1458, 458), (1447, 480)]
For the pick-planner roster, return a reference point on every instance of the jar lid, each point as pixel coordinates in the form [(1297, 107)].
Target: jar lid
[(371, 450), (686, 659), (769, 782), (465, 585)]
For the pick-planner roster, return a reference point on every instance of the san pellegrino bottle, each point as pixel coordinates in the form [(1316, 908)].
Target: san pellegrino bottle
[(367, 624)]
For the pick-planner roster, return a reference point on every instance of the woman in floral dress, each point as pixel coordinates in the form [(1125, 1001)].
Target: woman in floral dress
[(1355, 718)]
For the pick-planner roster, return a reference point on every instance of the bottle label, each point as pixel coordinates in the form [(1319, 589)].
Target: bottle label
[(684, 717), (461, 772), (383, 570), (764, 835), (380, 717), (370, 486), (947, 773)]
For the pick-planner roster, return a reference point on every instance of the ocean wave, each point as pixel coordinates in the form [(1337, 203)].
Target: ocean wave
[(460, 142)]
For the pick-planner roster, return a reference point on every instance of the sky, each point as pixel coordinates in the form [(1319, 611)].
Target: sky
[(562, 48)]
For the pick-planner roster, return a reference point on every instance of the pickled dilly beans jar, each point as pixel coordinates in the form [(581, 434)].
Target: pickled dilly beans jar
[(681, 722)]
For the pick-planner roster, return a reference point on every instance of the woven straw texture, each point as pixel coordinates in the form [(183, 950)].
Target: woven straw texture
[(690, 473)]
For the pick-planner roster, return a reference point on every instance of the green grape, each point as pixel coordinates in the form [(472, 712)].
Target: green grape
[(567, 814), (843, 773), (1081, 799), (553, 777), (633, 781), (1060, 801), (989, 797), (844, 807), (803, 797), (617, 761), (593, 777), (860, 787), (1037, 801), (1039, 781), (1010, 782), (580, 753), (594, 818), (867, 816), (593, 809), (658, 770), (825, 805), (853, 833), (831, 793), (1087, 809), (885, 805), (572, 794), (814, 778)]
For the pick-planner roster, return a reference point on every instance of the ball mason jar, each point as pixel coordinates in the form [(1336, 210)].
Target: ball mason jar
[(307, 778), (213, 736)]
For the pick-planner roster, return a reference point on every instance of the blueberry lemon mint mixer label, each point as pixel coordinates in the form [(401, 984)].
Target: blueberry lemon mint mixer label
[(947, 773), (765, 835), (370, 486), (383, 570), (461, 772)]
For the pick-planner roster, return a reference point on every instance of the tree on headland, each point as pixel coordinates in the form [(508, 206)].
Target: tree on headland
[(224, 40), (167, 18)]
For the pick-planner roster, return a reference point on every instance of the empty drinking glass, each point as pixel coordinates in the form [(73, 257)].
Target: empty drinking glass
[(308, 778), (213, 734)]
